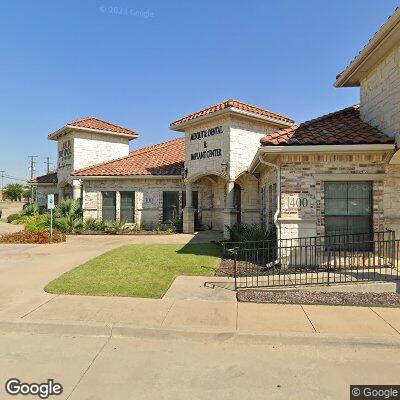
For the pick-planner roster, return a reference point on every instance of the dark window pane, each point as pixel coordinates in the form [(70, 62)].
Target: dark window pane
[(359, 207), (350, 214), (109, 203), (170, 205), (336, 190), (335, 207), (359, 190), (127, 208)]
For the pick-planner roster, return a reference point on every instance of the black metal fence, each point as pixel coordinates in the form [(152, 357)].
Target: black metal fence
[(341, 258)]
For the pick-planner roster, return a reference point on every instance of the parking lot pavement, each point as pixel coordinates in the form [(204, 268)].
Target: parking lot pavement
[(10, 207), (9, 228), (99, 367)]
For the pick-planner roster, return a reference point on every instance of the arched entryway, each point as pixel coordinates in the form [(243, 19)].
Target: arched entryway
[(237, 202)]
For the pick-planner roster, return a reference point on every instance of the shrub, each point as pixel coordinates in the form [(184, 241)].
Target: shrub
[(113, 226), (250, 233), (40, 237), (13, 217), (92, 224), (177, 225), (36, 223), (68, 216), (30, 209), (69, 208), (68, 225)]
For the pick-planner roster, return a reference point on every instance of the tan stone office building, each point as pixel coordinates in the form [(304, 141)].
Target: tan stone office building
[(237, 163)]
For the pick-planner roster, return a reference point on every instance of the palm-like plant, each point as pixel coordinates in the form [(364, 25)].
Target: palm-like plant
[(69, 216)]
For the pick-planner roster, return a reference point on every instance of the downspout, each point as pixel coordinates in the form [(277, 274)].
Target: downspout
[(278, 195)]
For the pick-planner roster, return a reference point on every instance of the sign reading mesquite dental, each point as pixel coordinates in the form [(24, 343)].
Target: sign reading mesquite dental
[(64, 152), (203, 135)]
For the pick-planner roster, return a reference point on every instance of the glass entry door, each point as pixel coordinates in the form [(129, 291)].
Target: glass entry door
[(127, 207), (170, 206)]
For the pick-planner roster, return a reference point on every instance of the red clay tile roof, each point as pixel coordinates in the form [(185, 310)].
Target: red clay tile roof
[(233, 104), (45, 179), (340, 127), (97, 124), (101, 125), (165, 158)]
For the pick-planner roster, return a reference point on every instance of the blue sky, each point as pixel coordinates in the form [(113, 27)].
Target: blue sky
[(143, 64)]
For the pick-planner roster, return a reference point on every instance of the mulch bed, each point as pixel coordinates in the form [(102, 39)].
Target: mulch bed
[(126, 233), (226, 268), (328, 298)]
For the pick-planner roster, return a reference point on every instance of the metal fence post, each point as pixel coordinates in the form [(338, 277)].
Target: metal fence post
[(234, 265)]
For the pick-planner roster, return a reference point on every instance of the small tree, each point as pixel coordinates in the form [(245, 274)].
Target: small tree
[(14, 191)]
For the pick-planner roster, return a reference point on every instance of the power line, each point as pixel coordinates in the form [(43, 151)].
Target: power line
[(13, 178)]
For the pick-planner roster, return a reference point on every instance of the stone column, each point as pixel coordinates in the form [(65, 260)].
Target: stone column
[(60, 193), (118, 206), (76, 190), (230, 216), (188, 211)]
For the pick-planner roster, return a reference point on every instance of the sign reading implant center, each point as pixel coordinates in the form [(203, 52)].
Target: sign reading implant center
[(203, 135)]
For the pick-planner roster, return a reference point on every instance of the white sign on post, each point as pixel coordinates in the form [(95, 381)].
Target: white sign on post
[(50, 202), (51, 206)]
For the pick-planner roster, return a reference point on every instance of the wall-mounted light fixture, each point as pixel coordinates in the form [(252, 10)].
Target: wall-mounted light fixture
[(184, 173)]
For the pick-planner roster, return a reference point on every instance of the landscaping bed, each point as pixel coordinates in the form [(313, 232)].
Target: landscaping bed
[(366, 299), (129, 233), (25, 237)]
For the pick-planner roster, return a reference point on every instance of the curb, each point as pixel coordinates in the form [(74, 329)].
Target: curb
[(80, 328)]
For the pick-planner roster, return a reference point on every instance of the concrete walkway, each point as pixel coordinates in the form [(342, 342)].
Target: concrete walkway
[(26, 269), (192, 304)]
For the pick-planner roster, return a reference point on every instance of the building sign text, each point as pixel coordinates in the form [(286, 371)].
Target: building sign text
[(206, 133)]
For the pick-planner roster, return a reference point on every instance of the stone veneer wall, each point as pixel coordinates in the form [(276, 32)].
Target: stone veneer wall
[(380, 94), (250, 202), (268, 177), (244, 141), (89, 149), (41, 193), (299, 180), (391, 198), (148, 198)]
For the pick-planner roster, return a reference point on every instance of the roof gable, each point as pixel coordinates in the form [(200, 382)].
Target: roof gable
[(383, 41), (340, 127), (233, 105), (95, 124), (48, 179)]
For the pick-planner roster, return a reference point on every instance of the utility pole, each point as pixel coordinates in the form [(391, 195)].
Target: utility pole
[(2, 184), (33, 170), (2, 179), (47, 162)]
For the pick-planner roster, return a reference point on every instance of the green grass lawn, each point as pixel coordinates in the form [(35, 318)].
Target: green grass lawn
[(138, 270)]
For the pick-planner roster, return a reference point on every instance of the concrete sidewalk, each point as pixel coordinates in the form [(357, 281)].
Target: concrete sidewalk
[(221, 316), (189, 305), (194, 304)]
